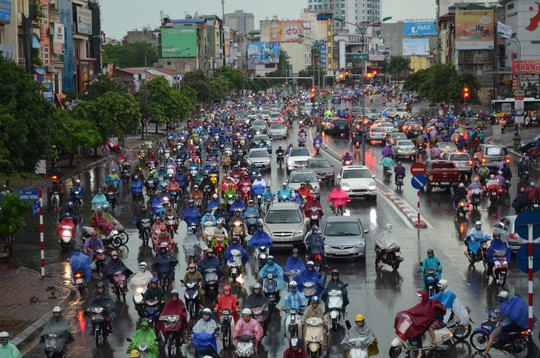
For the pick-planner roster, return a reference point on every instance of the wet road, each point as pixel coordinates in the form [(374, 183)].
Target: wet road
[(376, 294)]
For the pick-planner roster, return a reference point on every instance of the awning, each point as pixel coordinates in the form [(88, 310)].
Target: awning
[(35, 41)]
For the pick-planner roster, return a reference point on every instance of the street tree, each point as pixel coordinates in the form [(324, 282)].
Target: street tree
[(101, 85), (235, 77), (12, 212), (130, 55)]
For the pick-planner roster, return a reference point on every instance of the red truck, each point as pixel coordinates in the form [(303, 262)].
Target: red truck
[(441, 174)]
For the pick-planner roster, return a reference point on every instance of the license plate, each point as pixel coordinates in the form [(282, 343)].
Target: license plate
[(78, 281), (445, 183), (341, 253), (407, 156)]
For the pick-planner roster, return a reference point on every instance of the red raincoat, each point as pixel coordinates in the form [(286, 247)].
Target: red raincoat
[(173, 308), (422, 315)]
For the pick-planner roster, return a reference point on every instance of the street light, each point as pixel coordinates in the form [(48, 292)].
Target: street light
[(145, 124), (318, 44), (362, 29)]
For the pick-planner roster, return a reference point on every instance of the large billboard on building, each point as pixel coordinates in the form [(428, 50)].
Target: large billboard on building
[(475, 30), (263, 53), (5, 11), (58, 38), (419, 28), (526, 67), (416, 47), (179, 41), (84, 21), (286, 31)]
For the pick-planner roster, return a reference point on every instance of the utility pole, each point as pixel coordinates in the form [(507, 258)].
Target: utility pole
[(223, 31)]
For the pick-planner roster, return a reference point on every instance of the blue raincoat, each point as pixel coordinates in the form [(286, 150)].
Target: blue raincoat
[(294, 263), (203, 339), (268, 195), (431, 263), (260, 238), (446, 298), (237, 204), (239, 247), (258, 189), (518, 311), (117, 182), (274, 269), (498, 245), (99, 200), (284, 194), (80, 262), (137, 187), (192, 216), (479, 238), (213, 204), (157, 206), (310, 276)]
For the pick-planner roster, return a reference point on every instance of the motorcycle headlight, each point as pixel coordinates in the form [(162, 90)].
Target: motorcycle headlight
[(372, 186), (115, 232), (66, 233)]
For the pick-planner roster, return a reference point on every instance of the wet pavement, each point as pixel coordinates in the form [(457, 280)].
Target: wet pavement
[(379, 295)]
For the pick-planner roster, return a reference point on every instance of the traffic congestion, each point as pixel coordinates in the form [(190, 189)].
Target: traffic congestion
[(271, 225)]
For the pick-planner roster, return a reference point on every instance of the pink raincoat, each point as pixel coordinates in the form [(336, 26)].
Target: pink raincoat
[(338, 197), (250, 328)]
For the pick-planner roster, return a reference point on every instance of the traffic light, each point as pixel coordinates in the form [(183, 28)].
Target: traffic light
[(346, 74), (313, 93), (369, 75), (466, 93), (341, 76)]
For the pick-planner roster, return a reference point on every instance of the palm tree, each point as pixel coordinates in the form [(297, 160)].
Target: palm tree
[(399, 64)]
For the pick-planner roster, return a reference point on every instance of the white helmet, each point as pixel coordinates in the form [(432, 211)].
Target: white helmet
[(504, 294), (4, 334), (442, 284), (56, 309), (246, 312)]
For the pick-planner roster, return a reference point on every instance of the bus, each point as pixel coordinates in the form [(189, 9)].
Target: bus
[(504, 106)]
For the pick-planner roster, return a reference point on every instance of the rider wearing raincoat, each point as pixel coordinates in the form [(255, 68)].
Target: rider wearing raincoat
[(274, 269), (260, 238), (145, 336)]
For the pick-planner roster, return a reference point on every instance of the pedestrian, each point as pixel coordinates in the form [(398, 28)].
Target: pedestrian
[(106, 151), (8, 349)]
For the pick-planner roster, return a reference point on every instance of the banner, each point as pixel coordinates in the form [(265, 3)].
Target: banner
[(58, 38), (504, 31), (286, 31), (474, 30), (416, 47), (419, 28), (526, 67), (179, 42), (263, 53), (84, 21), (5, 11)]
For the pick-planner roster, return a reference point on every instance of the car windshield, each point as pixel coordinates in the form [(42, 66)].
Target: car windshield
[(259, 123), (261, 137), (356, 174), (405, 143), (339, 122), (265, 112), (274, 115), (496, 151), (398, 135), (283, 217), (460, 157), (302, 177), (258, 153), (299, 152), (277, 126), (343, 228), (318, 164), (442, 166), (377, 129)]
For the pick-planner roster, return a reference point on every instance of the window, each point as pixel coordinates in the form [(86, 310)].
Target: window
[(356, 174), (342, 229), (283, 217), (46, 55)]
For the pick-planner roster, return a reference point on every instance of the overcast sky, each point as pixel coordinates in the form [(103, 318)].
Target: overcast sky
[(120, 16)]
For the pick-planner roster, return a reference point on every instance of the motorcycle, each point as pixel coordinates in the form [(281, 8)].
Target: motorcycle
[(481, 253), (245, 192), (227, 325), (500, 267), (220, 247), (144, 232), (462, 208), (173, 196), (309, 289), (80, 282), (335, 308), (442, 336), (346, 163), (143, 349), (357, 350), (211, 283), (261, 254), (238, 230), (208, 231), (421, 149), (111, 199), (261, 315), (271, 291), (245, 346), (476, 197), (431, 282), (387, 174), (293, 324), (514, 343), (235, 266), (170, 223), (493, 197), (314, 216), (172, 326), (391, 256), (314, 337), (120, 287), (66, 236), (152, 310), (291, 274), (52, 350), (252, 221), (399, 182), (99, 262), (192, 299), (280, 159), (317, 147), (98, 319)]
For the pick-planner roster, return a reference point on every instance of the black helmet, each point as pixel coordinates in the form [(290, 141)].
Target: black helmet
[(430, 252), (100, 285)]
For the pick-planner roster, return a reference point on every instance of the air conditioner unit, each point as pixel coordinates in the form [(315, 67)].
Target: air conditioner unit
[(22, 61), (50, 31), (50, 69)]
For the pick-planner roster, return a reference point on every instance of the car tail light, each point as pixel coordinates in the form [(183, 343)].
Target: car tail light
[(512, 236), (507, 158), (78, 275), (469, 162), (483, 159), (431, 177)]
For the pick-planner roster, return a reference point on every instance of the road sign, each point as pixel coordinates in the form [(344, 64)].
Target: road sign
[(522, 258), (418, 181), (28, 195), (523, 220), (35, 208), (357, 57), (418, 168)]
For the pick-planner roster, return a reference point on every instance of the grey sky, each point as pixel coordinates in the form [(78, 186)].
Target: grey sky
[(119, 16)]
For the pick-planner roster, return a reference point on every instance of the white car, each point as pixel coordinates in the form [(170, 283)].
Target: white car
[(358, 182), (297, 177), (507, 228), (259, 157), (284, 222), (297, 158), (274, 116)]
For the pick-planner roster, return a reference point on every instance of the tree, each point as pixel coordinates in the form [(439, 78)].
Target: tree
[(130, 55), (12, 212), (396, 66), (207, 89), (101, 85), (235, 77)]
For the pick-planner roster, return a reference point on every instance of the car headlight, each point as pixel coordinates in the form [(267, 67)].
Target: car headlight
[(267, 161), (345, 186), (299, 232), (290, 162), (372, 186), (360, 245)]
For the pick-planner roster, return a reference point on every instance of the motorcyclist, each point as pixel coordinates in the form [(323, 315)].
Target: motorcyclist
[(259, 183), (165, 262), (248, 326), (460, 193), (174, 306), (56, 325), (499, 246), (317, 140), (346, 158), (533, 193), (387, 152), (272, 267), (523, 165), (360, 336), (208, 217), (93, 244), (475, 238), (492, 184), (501, 179), (80, 262), (260, 238), (356, 139), (338, 197), (268, 194), (284, 194), (311, 204), (387, 163), (431, 262), (210, 261), (521, 202), (315, 245), (311, 274), (294, 263), (192, 214), (237, 204), (258, 299), (173, 185), (157, 204), (207, 183), (294, 298), (295, 350), (154, 292), (116, 265), (71, 212), (399, 170), (228, 301), (335, 283), (196, 195), (213, 203), (236, 245), (506, 172), (251, 214), (204, 335), (483, 172), (99, 200), (313, 310), (147, 337), (192, 275), (136, 186), (280, 152), (101, 298), (142, 214)]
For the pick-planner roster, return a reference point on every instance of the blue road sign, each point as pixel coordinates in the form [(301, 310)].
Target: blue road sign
[(35, 208), (522, 258), (522, 224), (418, 181), (28, 195)]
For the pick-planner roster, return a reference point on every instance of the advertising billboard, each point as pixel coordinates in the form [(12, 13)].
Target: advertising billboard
[(263, 53), (419, 28), (526, 67), (286, 31), (179, 41), (475, 30), (58, 38), (84, 21), (416, 47), (5, 11)]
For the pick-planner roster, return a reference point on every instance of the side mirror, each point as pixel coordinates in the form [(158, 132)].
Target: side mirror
[(348, 324), (128, 339), (374, 176), (338, 176), (420, 263), (366, 231)]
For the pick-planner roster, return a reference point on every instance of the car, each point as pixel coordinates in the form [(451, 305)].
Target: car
[(262, 141), (385, 124), (507, 228), (358, 182), (376, 135), (259, 126), (372, 114), (265, 114), (491, 155), (336, 99), (391, 112), (326, 123), (274, 117), (278, 130), (446, 147), (322, 168), (527, 145), (260, 157), (339, 126), (344, 237), (300, 176), (285, 223), (297, 158), (404, 148), (393, 136), (412, 129), (462, 160), (402, 113)]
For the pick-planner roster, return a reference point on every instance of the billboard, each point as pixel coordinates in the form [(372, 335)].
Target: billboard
[(263, 53), (84, 21), (58, 38), (286, 31), (526, 67), (475, 30), (5, 11), (419, 28), (416, 47), (179, 41), (6, 51)]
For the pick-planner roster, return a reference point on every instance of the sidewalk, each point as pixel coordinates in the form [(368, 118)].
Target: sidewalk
[(26, 300), (507, 138)]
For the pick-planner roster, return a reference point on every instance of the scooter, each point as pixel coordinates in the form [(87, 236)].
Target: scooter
[(235, 266), (238, 229), (80, 282), (98, 319), (431, 282), (309, 289), (208, 231), (314, 216), (191, 296), (271, 291), (476, 198), (211, 283), (52, 350), (261, 314), (261, 253), (245, 346), (293, 324), (387, 174), (314, 337), (170, 223), (120, 287), (357, 346), (399, 182), (500, 267), (481, 252), (442, 336), (144, 233), (152, 310), (335, 308), (391, 256), (66, 236)]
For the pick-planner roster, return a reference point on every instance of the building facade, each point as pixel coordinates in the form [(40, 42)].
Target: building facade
[(240, 21), (353, 11)]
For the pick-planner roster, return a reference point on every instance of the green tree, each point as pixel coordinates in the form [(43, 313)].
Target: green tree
[(12, 212), (207, 89), (235, 77), (101, 85), (130, 55), (397, 66)]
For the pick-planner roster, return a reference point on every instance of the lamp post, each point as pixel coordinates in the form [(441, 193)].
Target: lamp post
[(145, 124), (362, 29), (318, 44), (518, 90)]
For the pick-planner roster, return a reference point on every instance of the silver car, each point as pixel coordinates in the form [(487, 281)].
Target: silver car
[(507, 228), (277, 131), (297, 177), (376, 135), (259, 126), (322, 168), (297, 158), (344, 237), (404, 148), (463, 161), (259, 157), (285, 224)]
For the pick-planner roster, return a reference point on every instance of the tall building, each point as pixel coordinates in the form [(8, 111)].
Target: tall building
[(240, 21), (354, 11)]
